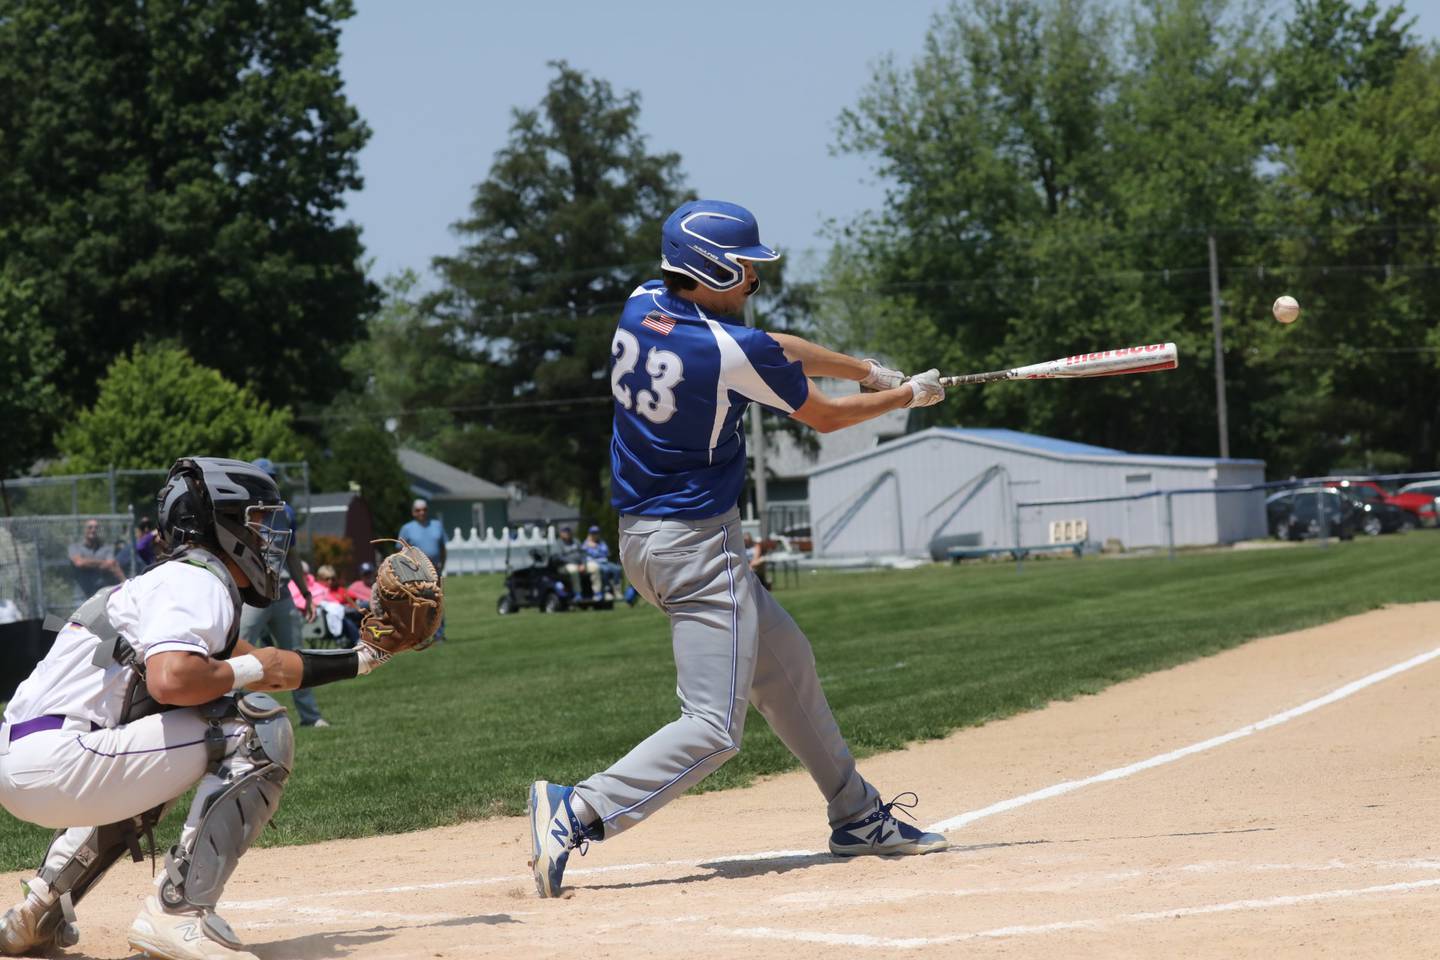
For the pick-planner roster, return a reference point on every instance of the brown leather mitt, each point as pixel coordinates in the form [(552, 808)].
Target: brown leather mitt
[(406, 603)]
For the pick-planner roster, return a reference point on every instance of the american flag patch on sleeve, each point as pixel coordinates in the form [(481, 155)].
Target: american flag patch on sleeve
[(658, 322)]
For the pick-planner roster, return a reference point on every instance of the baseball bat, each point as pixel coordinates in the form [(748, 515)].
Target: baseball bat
[(1106, 363)]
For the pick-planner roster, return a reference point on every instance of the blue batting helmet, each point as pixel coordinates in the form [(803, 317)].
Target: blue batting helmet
[(708, 239)]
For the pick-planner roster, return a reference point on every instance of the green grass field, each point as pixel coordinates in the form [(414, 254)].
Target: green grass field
[(458, 732)]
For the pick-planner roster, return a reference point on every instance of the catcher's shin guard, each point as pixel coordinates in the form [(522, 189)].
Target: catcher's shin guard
[(233, 816), (33, 923)]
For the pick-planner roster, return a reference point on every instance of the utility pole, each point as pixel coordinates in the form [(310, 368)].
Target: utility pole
[(757, 448), (1220, 414)]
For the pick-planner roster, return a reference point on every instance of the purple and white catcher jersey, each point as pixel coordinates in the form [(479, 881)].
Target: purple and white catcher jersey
[(682, 380)]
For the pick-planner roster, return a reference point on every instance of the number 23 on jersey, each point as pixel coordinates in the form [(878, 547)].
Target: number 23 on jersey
[(665, 369)]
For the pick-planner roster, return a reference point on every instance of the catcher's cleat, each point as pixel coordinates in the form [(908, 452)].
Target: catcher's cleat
[(554, 832), (879, 833), (33, 925), (184, 935)]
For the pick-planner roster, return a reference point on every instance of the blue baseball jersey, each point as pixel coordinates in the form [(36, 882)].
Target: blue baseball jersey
[(682, 380)]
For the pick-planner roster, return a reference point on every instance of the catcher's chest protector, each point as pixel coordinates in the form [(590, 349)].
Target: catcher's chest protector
[(113, 648)]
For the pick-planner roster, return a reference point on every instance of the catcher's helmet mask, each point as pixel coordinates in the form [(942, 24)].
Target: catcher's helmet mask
[(709, 240), (233, 508)]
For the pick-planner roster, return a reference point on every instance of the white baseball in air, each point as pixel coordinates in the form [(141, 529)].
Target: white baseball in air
[(1286, 309)]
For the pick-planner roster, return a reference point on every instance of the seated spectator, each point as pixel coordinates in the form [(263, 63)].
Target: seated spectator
[(755, 553), (360, 589), (599, 552), (342, 618), (306, 596), (94, 562), (576, 562)]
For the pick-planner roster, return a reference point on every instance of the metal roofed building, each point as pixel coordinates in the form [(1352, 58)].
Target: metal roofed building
[(537, 511), (461, 500), (961, 486), (788, 464)]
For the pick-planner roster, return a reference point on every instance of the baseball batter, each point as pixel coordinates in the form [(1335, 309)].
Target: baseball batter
[(137, 702), (683, 373)]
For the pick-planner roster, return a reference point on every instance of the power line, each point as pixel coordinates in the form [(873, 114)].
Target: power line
[(1263, 272), (555, 404)]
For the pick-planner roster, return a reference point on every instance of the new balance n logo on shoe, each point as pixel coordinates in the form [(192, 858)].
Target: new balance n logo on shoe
[(879, 835)]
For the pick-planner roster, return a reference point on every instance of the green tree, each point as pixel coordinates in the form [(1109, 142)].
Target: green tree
[(1350, 215), (157, 404), (29, 403), (1014, 151), (175, 170), (411, 371), (364, 454), (404, 375), (562, 229)]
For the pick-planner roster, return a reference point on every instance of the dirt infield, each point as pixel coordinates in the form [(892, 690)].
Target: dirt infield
[(1310, 833)]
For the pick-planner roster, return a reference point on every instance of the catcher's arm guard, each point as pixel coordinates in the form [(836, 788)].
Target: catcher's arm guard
[(406, 603)]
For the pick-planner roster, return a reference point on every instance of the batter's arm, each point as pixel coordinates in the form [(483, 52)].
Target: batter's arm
[(818, 361), (828, 414)]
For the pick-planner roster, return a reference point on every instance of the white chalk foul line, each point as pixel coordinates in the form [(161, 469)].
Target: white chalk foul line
[(1119, 773), (913, 943), (957, 821)]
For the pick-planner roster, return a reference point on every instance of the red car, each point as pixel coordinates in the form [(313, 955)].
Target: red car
[(1418, 505)]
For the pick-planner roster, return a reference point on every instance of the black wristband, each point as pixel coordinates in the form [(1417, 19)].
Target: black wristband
[(319, 667)]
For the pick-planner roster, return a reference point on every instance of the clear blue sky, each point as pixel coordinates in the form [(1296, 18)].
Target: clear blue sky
[(747, 93)]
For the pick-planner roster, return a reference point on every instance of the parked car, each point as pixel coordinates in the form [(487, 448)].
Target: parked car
[(1385, 518), (1419, 506), (1425, 488), (1295, 514)]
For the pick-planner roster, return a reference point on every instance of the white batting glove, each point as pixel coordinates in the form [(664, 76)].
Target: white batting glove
[(925, 389), (881, 378)]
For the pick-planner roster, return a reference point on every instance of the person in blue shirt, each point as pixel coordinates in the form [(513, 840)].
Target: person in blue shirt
[(429, 537), (682, 373), (279, 623), (598, 551)]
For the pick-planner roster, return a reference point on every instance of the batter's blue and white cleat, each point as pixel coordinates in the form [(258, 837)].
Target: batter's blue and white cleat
[(880, 834), (554, 832)]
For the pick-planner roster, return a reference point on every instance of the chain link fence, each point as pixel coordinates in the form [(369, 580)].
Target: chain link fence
[(116, 491), (49, 561), (48, 565)]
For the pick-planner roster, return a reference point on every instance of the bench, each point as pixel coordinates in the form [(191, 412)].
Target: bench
[(956, 554)]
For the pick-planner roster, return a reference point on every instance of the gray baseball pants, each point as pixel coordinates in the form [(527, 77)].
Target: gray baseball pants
[(734, 645), (280, 624)]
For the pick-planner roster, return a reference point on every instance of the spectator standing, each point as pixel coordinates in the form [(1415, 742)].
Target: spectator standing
[(94, 561), (278, 625), (429, 537), (144, 544)]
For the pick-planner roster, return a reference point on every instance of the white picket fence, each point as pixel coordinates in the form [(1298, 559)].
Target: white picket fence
[(485, 553)]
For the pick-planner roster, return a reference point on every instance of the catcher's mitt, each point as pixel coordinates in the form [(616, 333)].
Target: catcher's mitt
[(406, 603)]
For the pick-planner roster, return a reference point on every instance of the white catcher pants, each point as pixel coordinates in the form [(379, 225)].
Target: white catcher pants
[(80, 779)]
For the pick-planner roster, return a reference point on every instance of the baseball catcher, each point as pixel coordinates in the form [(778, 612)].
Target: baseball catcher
[(148, 690)]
